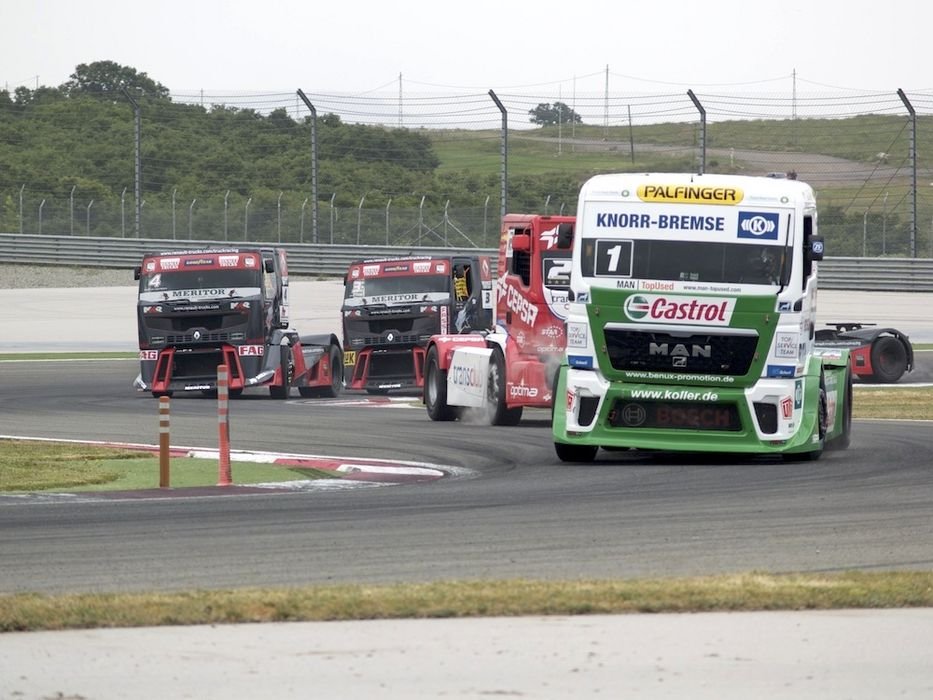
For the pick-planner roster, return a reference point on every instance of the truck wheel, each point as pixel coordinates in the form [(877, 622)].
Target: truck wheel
[(842, 442), (282, 391), (822, 415), (500, 413), (565, 452), (888, 359), (435, 389), (575, 453)]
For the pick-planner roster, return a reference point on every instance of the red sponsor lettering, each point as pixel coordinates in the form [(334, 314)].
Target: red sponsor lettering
[(692, 310), (677, 417)]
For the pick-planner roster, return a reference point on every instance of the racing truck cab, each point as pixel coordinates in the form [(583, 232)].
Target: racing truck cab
[(691, 321), (201, 308), (393, 306), (502, 372)]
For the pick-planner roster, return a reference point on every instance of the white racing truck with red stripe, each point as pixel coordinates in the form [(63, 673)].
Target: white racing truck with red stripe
[(199, 309)]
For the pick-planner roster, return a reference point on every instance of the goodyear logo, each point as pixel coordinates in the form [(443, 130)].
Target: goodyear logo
[(690, 194), (762, 226)]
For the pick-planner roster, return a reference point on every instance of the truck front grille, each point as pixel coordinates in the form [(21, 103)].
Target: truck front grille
[(188, 338), (396, 339), (710, 353)]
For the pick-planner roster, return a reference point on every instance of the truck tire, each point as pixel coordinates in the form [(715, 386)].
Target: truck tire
[(435, 389), (575, 453), (332, 390), (842, 442), (282, 391), (499, 412), (888, 359), (822, 414), (565, 452)]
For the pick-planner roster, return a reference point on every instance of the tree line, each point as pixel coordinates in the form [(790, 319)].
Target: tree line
[(80, 135)]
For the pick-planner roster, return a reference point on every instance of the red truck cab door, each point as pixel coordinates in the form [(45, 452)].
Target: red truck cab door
[(534, 280)]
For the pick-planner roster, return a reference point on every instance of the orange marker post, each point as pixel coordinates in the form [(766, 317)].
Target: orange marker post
[(164, 478), (224, 478)]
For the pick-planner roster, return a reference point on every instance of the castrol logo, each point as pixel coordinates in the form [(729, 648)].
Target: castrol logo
[(699, 311)]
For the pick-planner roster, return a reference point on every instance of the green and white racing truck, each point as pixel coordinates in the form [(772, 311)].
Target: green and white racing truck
[(691, 323)]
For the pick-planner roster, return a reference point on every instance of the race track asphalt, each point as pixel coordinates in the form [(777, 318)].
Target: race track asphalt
[(841, 654)]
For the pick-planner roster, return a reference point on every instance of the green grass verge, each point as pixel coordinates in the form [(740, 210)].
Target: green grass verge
[(48, 466), (905, 403), (458, 599)]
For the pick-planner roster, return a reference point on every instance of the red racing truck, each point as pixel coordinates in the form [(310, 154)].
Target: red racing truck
[(198, 309), (392, 307), (499, 373)]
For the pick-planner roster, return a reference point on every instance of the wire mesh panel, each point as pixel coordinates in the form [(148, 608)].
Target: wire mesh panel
[(410, 168)]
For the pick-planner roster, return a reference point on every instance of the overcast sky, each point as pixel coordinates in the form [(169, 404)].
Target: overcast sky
[(444, 46)]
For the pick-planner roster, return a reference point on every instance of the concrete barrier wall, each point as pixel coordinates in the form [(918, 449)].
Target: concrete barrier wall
[(331, 261)]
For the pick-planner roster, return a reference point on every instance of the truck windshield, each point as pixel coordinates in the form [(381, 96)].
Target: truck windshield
[(396, 288), (685, 261), (226, 279)]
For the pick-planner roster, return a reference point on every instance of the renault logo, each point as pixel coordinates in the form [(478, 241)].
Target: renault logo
[(197, 335)]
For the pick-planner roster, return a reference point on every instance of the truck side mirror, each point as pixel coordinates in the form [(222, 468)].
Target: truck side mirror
[(564, 236), (816, 248), (521, 242), (137, 272), (268, 264)]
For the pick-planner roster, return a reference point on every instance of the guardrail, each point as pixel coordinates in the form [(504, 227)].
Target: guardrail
[(875, 274)]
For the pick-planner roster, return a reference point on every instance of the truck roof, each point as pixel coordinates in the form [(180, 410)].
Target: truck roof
[(697, 188), (206, 251), (401, 258)]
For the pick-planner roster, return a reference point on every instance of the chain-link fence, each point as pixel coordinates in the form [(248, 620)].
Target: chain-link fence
[(865, 153)]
